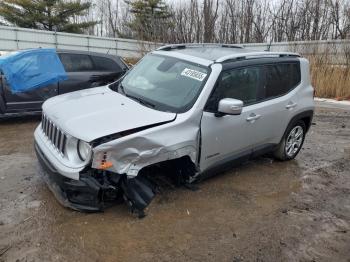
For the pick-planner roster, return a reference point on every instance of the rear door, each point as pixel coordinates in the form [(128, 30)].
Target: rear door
[(86, 71), (79, 68), (281, 80)]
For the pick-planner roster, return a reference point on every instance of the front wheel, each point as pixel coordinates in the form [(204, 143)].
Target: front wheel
[(292, 142)]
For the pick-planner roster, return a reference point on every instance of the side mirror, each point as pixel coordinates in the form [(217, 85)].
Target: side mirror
[(229, 106)]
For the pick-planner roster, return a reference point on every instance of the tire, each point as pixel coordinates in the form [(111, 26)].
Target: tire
[(292, 142)]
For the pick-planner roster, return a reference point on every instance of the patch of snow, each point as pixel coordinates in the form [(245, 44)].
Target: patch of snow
[(328, 100)]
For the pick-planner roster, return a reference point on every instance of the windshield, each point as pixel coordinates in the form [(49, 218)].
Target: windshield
[(165, 83)]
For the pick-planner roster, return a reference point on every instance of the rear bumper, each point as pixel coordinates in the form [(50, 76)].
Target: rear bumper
[(84, 194)]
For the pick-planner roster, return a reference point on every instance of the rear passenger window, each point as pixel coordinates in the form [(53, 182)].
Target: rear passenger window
[(242, 84), (105, 64), (76, 62), (280, 79)]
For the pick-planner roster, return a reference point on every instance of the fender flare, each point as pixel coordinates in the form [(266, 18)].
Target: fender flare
[(189, 151), (305, 114)]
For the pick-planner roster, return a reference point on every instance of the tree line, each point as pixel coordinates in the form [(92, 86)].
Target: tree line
[(226, 21)]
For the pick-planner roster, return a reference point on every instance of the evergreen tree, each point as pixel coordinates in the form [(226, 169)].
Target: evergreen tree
[(52, 15), (151, 19)]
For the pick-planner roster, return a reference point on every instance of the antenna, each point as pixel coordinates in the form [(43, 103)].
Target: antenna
[(269, 46)]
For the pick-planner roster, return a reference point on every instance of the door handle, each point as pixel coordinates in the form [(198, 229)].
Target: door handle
[(253, 117), (291, 105)]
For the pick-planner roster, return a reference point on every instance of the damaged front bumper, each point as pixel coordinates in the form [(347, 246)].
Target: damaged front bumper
[(95, 189)]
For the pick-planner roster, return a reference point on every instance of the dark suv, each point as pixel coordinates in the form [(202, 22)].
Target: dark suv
[(84, 70)]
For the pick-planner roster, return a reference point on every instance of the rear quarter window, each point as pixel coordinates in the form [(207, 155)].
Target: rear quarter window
[(281, 79), (105, 64)]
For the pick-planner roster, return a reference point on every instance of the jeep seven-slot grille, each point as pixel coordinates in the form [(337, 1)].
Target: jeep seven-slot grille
[(54, 134)]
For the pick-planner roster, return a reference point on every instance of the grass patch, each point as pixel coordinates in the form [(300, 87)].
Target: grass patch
[(331, 81)]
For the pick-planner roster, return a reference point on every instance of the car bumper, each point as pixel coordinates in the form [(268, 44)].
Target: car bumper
[(82, 195)]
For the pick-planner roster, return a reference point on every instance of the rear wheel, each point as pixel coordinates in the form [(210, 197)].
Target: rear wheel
[(292, 142)]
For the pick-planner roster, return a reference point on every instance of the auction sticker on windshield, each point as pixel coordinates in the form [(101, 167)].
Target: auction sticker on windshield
[(193, 74)]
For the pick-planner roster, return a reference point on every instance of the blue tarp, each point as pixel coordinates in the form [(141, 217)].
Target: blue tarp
[(30, 69)]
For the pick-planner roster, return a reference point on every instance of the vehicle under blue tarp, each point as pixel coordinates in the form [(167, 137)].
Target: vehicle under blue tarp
[(30, 69)]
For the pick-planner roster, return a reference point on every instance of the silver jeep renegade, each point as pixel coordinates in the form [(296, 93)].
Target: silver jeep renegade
[(186, 111)]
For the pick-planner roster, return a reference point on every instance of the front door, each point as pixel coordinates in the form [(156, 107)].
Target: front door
[(29, 101), (227, 137)]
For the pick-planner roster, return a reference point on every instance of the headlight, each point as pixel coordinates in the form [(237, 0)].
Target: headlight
[(84, 150)]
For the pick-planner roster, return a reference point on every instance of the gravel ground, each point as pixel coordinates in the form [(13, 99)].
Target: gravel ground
[(261, 211)]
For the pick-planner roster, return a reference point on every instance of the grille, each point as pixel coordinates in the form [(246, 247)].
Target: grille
[(54, 134)]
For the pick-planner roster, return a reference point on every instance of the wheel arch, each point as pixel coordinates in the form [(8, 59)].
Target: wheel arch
[(181, 168), (305, 116)]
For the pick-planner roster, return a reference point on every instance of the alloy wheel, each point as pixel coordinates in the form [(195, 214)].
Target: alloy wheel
[(294, 141)]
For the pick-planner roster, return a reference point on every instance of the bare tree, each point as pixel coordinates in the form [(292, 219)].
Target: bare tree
[(262, 21), (210, 14), (234, 21), (340, 19)]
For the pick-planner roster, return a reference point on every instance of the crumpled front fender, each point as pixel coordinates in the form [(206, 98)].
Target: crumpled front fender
[(128, 155)]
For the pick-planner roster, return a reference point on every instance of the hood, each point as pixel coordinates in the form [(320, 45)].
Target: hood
[(97, 112)]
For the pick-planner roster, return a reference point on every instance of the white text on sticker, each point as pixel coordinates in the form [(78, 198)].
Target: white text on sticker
[(193, 74)]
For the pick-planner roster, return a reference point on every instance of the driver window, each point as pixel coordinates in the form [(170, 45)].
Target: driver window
[(242, 84)]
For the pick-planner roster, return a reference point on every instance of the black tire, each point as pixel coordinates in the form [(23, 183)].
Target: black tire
[(284, 154)]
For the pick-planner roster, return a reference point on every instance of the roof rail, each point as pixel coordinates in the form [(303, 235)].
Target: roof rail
[(194, 45), (256, 55)]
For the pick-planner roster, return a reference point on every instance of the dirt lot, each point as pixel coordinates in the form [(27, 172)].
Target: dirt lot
[(261, 211)]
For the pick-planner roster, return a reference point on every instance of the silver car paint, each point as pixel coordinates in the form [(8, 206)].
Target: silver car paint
[(178, 138), (99, 112), (169, 141), (232, 135), (197, 60), (253, 55), (63, 166)]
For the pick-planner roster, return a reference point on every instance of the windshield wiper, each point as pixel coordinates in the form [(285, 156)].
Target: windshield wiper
[(141, 101), (138, 99), (121, 87)]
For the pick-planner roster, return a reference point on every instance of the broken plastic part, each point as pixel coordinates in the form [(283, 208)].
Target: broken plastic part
[(97, 189), (138, 193), (105, 165)]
